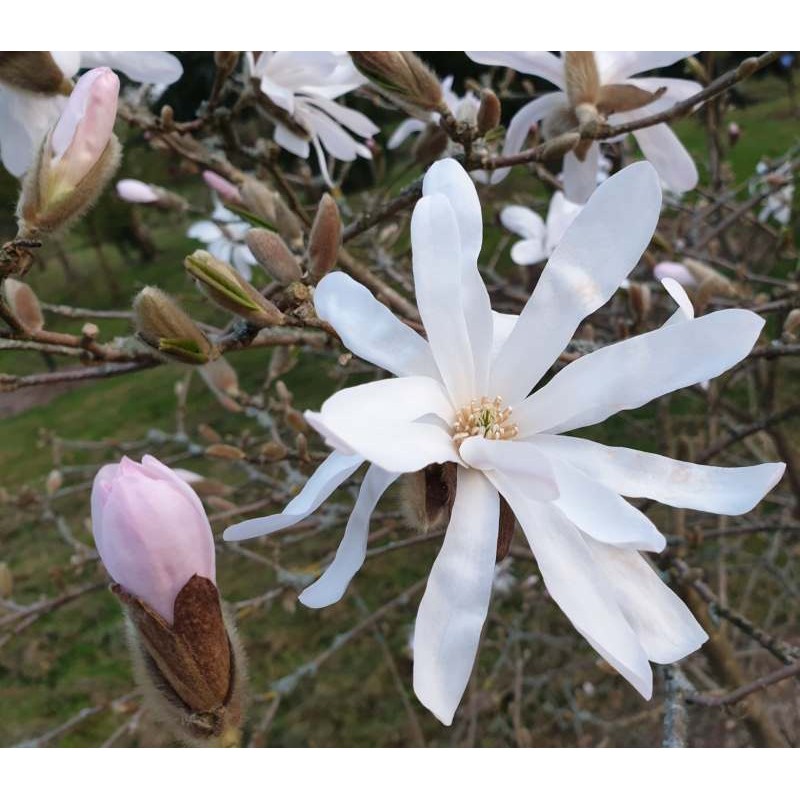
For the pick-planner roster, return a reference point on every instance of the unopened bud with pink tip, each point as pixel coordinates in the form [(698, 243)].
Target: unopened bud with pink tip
[(138, 192), (223, 187), (76, 159), (155, 540), (675, 270)]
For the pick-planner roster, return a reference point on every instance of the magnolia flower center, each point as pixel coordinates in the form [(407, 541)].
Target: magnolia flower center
[(484, 417)]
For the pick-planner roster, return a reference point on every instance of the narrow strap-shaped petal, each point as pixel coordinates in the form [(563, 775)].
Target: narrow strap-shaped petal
[(370, 330), (630, 373), (528, 251), (580, 177), (405, 129), (665, 151), (145, 66), (523, 221), (633, 473), (665, 627), (532, 62), (685, 310), (333, 583), (522, 459), (456, 599), (447, 177), (596, 253), (291, 141), (560, 215), (436, 254), (400, 424), (578, 586), (615, 66), (330, 474), (601, 513)]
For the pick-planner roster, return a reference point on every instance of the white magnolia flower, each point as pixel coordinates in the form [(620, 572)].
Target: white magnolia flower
[(223, 235), (539, 238), (614, 69), (303, 86), (464, 109), (462, 396), (25, 117)]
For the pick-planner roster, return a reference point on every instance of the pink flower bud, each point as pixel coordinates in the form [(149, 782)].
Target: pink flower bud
[(84, 129), (676, 271), (151, 531), (224, 188), (133, 191)]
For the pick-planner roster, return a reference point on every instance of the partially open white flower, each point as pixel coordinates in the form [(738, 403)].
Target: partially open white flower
[(224, 237), (611, 87), (302, 86), (464, 109), (539, 238), (463, 396), (26, 116)]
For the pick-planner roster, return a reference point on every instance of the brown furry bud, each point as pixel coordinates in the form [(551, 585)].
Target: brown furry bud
[(324, 239), (488, 112), (164, 326), (41, 209), (583, 79), (226, 61), (223, 285), (561, 145), (614, 98), (270, 206), (24, 304), (639, 300), (33, 71), (791, 325), (272, 253), (429, 495), (223, 381), (402, 76), (192, 672), (227, 452), (430, 144)]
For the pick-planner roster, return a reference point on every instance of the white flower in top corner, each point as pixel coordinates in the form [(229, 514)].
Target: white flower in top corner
[(605, 81), (301, 88), (539, 238), (223, 235), (463, 396), (464, 109), (26, 115)]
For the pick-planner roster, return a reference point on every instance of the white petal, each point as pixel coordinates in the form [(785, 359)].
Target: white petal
[(596, 253), (615, 66), (502, 325), (560, 215), (144, 66), (665, 627), (447, 177), (578, 586), (436, 255), (354, 120), (456, 599), (678, 294), (601, 513), (403, 131), (335, 139), (580, 177), (528, 251), (330, 474), (533, 62), (391, 423), (633, 473), (523, 221), (333, 583), (521, 123), (663, 149), (370, 330), (205, 231), (291, 141), (630, 373), (519, 459)]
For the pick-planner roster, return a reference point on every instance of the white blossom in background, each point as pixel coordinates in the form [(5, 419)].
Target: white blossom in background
[(25, 116), (615, 69), (223, 235), (464, 109), (462, 396), (778, 204), (539, 238), (304, 86)]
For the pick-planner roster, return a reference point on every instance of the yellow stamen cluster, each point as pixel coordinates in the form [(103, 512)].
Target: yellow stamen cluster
[(484, 417)]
